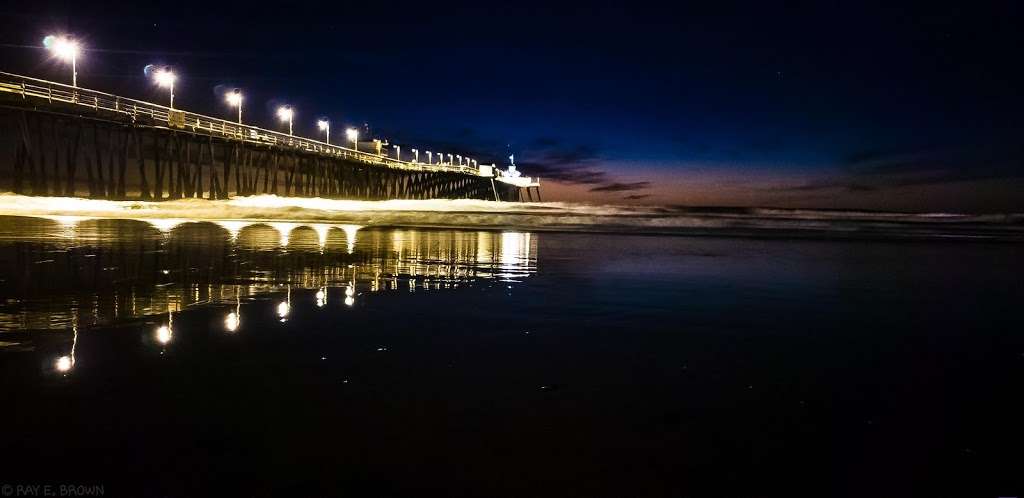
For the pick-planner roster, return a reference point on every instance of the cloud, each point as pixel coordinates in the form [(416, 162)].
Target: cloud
[(633, 197), (551, 158), (621, 187), (547, 157), (874, 169)]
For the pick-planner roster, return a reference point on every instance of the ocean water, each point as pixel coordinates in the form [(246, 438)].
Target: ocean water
[(385, 349)]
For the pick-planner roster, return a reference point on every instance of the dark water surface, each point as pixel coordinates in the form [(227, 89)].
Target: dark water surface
[(187, 359)]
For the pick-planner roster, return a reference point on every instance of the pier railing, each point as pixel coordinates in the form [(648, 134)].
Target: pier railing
[(158, 115)]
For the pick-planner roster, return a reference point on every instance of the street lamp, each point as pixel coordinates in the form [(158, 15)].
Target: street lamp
[(66, 49), (430, 157), (165, 78), (353, 135), (459, 158), (398, 152), (285, 113), (235, 99), (449, 159), (416, 155), (325, 125)]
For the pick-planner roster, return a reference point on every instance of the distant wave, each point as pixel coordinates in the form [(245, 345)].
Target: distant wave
[(546, 216)]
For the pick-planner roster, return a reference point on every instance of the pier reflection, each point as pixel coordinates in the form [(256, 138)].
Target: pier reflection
[(66, 272)]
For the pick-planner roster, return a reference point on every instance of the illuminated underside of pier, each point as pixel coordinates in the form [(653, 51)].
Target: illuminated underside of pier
[(176, 263)]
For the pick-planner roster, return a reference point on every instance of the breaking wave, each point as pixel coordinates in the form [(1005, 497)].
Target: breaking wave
[(541, 216)]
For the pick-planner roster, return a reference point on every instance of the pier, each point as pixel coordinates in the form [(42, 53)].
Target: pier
[(64, 140)]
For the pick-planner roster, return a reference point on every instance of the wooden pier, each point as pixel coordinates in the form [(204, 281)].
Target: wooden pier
[(60, 140)]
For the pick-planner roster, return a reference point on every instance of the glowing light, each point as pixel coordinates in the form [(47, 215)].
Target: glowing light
[(235, 99), (64, 364), (285, 113), (325, 126), (515, 253), (284, 229), (164, 334), (165, 78), (233, 227), (321, 233), (231, 322), (350, 236), (353, 135), (165, 225), (321, 297), (263, 207), (283, 308), (67, 49), (63, 47), (350, 291), (349, 301)]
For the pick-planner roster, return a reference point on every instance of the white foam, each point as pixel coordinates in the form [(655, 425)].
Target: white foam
[(472, 213)]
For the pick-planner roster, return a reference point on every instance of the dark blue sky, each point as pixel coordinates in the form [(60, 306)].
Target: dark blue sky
[(816, 105)]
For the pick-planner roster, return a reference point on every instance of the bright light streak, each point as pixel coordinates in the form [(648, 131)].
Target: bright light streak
[(165, 225), (321, 233), (231, 322), (283, 308), (284, 230), (350, 236), (233, 227)]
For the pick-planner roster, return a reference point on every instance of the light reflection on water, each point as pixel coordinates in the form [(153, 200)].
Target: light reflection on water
[(60, 271)]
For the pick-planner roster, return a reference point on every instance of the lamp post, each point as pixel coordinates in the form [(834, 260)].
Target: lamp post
[(449, 159), (165, 78), (398, 152), (459, 158), (285, 113), (430, 157), (325, 125), (415, 155), (353, 135), (67, 49), (235, 99)]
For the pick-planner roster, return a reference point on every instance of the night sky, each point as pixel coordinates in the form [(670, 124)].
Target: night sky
[(826, 105)]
